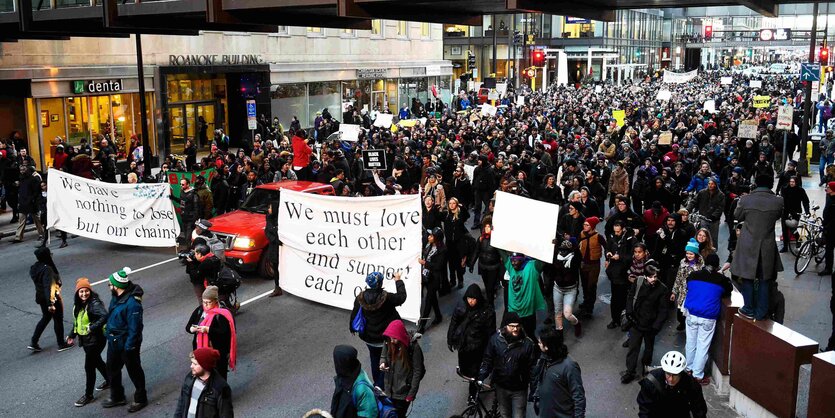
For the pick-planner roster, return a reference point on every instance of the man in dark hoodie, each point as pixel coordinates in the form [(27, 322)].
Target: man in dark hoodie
[(124, 340), (29, 196), (379, 308), (647, 305), (669, 248), (557, 377), (353, 395), (484, 185), (472, 324), (48, 296), (509, 357)]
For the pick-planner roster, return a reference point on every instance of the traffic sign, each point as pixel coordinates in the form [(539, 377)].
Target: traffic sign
[(810, 71), (785, 117), (251, 121)]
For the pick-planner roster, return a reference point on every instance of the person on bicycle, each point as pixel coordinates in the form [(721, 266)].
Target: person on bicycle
[(669, 392), (557, 385), (402, 361), (213, 326), (709, 203), (510, 357), (795, 200), (472, 324), (202, 267)]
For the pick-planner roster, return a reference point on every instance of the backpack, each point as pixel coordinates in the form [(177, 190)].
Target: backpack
[(385, 407), (228, 280), (358, 324)]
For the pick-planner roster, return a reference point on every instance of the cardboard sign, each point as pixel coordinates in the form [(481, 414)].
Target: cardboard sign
[(525, 225), (349, 132), (383, 120), (374, 159), (664, 95), (747, 131), (666, 138), (619, 116), (710, 106)]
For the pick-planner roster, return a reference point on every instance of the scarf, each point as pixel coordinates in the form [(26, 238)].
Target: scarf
[(203, 337), (566, 259)]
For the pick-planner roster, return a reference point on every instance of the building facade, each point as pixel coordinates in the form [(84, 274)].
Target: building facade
[(88, 87)]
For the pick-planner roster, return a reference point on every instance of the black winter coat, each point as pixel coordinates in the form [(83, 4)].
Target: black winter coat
[(483, 179), (379, 309), (97, 315), (455, 230), (795, 201), (190, 205), (43, 276), (650, 308), (463, 191), (29, 194), (558, 385), (564, 277), (618, 270), (471, 327), (511, 362), (220, 333), (215, 400), (487, 256), (684, 400)]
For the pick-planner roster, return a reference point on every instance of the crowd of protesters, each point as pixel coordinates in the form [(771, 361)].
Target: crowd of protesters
[(641, 199)]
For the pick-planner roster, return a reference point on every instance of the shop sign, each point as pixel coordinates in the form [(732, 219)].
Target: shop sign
[(366, 73), (214, 59), (96, 86)]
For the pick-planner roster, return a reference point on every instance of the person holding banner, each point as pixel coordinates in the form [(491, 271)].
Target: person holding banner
[(271, 231), (189, 208), (433, 274), (379, 308)]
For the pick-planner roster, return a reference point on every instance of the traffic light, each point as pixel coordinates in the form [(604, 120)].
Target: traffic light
[(823, 55), (708, 31), (538, 58)]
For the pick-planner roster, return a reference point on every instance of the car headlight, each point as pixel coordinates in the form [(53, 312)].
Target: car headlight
[(243, 243)]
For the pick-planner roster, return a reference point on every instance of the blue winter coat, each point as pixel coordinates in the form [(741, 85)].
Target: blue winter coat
[(124, 323), (699, 182)]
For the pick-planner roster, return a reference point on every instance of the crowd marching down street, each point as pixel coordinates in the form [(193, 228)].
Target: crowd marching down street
[(643, 184)]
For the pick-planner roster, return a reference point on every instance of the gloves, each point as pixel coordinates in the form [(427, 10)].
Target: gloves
[(410, 399), (450, 348)]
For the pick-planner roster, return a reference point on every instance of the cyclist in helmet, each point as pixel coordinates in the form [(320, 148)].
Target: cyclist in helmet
[(669, 392)]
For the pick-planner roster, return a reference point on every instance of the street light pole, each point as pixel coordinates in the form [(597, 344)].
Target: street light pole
[(803, 166), (143, 109), (495, 29)]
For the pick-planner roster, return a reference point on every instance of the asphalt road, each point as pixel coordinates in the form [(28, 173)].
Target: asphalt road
[(285, 344)]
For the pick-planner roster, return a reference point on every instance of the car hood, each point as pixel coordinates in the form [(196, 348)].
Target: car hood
[(238, 222)]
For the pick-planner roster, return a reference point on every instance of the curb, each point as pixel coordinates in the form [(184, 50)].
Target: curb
[(11, 233)]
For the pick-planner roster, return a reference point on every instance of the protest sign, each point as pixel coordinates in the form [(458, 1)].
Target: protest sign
[(710, 106), (755, 84), (131, 214), (676, 78), (747, 131), (383, 120), (520, 100), (174, 178), (666, 138), (470, 170), (664, 95), (349, 132), (762, 101), (619, 116), (726, 81), (374, 159), (488, 110), (524, 225), (330, 244), (407, 123)]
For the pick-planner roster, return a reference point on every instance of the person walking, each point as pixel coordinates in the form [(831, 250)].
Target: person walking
[(433, 274), (213, 326), (190, 208), (591, 250), (705, 289), (472, 324), (509, 358), (378, 308), (456, 240), (524, 296), (557, 384), (756, 260), (353, 395), (402, 362), (124, 341), (28, 202), (618, 260), (47, 282), (679, 396), (271, 231), (647, 307), (89, 317), (42, 214), (564, 274), (489, 261), (691, 262), (205, 393)]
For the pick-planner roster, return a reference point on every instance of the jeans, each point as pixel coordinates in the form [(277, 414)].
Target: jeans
[(512, 403), (755, 296), (482, 197), (636, 336), (564, 301), (699, 335), (92, 363), (375, 353), (430, 303), (57, 319), (589, 273), (116, 359)]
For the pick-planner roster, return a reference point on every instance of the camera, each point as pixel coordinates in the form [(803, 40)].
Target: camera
[(185, 255)]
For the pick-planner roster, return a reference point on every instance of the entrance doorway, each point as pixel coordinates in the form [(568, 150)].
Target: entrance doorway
[(196, 121)]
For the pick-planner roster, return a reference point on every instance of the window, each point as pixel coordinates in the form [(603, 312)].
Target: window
[(376, 28), (315, 31), (425, 30), (403, 29), (282, 30), (347, 33)]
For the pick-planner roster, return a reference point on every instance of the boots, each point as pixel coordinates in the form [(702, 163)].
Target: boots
[(276, 292)]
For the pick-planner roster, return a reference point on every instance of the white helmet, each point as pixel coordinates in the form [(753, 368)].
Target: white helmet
[(673, 362)]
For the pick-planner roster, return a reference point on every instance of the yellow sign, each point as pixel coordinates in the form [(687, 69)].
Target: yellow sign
[(762, 101), (619, 116), (407, 123)]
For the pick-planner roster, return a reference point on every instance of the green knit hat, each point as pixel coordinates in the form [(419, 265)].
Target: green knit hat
[(120, 278)]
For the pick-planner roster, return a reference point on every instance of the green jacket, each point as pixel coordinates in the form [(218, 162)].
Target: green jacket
[(363, 396), (525, 296)]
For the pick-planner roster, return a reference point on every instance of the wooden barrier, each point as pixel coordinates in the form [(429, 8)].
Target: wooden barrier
[(720, 347), (822, 386), (765, 362)]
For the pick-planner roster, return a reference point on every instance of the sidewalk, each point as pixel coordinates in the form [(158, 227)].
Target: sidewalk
[(8, 230)]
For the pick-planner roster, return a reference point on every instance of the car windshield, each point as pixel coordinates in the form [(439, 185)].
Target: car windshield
[(259, 200)]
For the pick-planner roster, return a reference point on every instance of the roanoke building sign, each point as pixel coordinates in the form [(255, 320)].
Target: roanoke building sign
[(214, 59)]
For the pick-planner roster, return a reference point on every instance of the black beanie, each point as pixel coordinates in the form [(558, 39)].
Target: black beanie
[(510, 318)]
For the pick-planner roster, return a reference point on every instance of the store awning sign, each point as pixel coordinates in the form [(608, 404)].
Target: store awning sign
[(96, 86), (366, 73)]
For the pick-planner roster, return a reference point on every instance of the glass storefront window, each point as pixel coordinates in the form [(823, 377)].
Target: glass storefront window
[(288, 100), (99, 119), (78, 119), (391, 95), (52, 127), (324, 95), (123, 121)]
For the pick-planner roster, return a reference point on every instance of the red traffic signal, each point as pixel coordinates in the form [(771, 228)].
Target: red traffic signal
[(823, 55), (708, 31), (538, 58)]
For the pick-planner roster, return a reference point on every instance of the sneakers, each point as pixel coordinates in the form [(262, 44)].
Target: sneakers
[(65, 347), (110, 403), (276, 292), (34, 347), (84, 400), (613, 325), (627, 377), (103, 386), (137, 406), (744, 315), (625, 344)]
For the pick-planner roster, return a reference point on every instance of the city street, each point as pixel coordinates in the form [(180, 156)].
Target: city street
[(285, 344)]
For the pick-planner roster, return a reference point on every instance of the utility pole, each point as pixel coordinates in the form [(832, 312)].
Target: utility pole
[(803, 167), (143, 109), (516, 73), (495, 29)]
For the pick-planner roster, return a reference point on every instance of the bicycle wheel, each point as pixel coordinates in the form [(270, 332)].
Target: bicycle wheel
[(472, 411), (804, 257), (802, 235)]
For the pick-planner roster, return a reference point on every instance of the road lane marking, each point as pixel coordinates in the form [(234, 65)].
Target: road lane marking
[(141, 268), (261, 296)]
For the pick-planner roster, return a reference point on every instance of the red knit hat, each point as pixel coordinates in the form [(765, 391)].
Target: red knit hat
[(831, 185), (206, 357), (593, 221)]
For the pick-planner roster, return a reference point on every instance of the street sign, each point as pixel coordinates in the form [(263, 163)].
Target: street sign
[(810, 71), (815, 91), (251, 120), (374, 159), (785, 116)]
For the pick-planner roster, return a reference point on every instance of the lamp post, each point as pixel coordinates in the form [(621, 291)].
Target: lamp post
[(803, 167)]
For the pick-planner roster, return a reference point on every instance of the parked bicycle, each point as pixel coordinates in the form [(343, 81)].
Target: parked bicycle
[(475, 405), (801, 232), (813, 247)]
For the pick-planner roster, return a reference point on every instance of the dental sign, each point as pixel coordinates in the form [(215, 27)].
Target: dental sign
[(775, 34), (96, 86)]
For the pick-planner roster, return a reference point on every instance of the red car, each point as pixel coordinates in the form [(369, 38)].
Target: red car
[(242, 230)]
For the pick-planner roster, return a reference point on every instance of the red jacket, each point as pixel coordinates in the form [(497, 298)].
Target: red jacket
[(654, 222), (301, 152)]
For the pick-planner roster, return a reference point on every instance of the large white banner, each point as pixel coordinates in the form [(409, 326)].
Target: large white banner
[(524, 225), (331, 243), (676, 78), (130, 214)]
